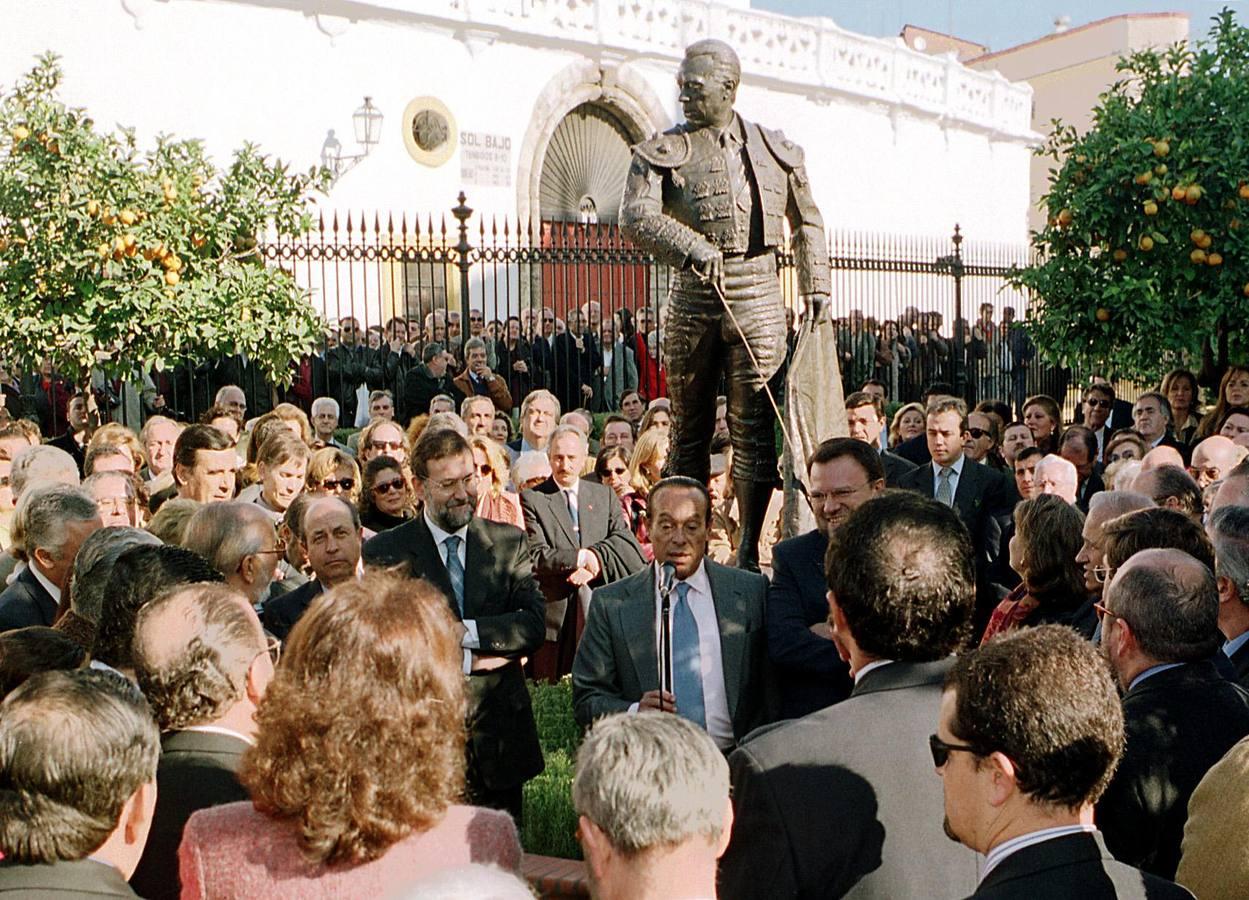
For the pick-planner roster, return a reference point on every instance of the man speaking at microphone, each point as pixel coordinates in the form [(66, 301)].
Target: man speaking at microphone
[(720, 675)]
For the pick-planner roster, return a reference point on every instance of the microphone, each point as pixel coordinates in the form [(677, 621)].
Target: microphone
[(667, 578)]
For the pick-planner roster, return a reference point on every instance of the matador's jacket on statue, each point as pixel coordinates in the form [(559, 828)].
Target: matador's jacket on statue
[(692, 191)]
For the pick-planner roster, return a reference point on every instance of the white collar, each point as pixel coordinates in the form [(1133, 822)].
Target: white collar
[(217, 729), (576, 487), (43, 580), (874, 664), (698, 579), (441, 536), (956, 467)]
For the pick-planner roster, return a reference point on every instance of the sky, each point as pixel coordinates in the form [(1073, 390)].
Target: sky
[(996, 23)]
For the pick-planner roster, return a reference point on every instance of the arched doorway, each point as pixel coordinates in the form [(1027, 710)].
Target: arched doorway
[(583, 171)]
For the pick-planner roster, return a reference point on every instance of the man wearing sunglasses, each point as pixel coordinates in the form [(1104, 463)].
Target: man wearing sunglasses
[(843, 800), (1029, 732)]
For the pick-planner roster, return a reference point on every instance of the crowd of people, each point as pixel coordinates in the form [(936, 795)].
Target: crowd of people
[(254, 655)]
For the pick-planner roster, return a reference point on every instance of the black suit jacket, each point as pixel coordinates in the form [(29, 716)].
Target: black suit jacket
[(847, 799), (616, 661), (914, 450), (501, 596), (25, 602), (554, 542), (282, 612), (1179, 723), (810, 674), (67, 443), (83, 879), (197, 770), (895, 467), (1077, 865), (1240, 662)]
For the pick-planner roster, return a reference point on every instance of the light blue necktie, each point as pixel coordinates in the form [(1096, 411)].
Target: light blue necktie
[(455, 570), (945, 492), (687, 669), (571, 497)]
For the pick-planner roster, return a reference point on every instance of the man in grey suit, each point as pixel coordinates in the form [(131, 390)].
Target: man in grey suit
[(619, 373), (844, 800), (720, 676), (577, 537)]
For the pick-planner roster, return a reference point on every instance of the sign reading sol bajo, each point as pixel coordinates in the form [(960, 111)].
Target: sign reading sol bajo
[(429, 131)]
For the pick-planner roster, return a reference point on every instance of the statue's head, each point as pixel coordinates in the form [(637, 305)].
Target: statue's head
[(708, 79)]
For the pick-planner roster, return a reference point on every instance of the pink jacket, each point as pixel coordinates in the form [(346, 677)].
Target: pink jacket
[(233, 851)]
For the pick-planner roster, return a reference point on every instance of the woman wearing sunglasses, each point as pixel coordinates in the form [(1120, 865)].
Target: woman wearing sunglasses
[(386, 499), (612, 469), (494, 501), (332, 471)]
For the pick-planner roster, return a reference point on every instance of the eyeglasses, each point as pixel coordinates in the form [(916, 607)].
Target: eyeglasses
[(1102, 612), (273, 647), (450, 484), (279, 548), (619, 471), (386, 445), (978, 433), (338, 484), (1096, 403), (941, 750), (388, 487), (1103, 573)]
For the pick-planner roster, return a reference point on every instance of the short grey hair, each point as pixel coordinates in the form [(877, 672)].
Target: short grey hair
[(441, 398), (539, 394), (468, 402), (1229, 532), (45, 510), (1112, 504), (226, 533), (651, 780), (530, 464), (325, 402), (562, 430), (42, 463), (94, 564), (474, 343), (446, 421)]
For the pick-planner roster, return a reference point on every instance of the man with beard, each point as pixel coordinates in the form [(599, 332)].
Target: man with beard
[(844, 473), (484, 570)]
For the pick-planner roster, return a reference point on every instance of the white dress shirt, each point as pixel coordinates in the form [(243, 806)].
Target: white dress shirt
[(874, 664), (470, 642), (217, 729), (956, 468), (715, 696)]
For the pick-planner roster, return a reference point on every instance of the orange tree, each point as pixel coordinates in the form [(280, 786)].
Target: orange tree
[(123, 260), (1145, 255)]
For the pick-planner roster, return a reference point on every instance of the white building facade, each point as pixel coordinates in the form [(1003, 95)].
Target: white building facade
[(529, 106)]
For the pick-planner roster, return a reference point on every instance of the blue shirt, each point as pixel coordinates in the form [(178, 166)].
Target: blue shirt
[(1151, 672)]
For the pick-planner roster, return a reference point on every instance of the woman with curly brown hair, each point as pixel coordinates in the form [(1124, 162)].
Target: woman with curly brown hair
[(358, 763)]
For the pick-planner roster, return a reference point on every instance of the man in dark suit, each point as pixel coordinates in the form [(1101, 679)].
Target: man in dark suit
[(200, 658), (483, 568), (843, 474), (979, 494), (844, 799), (543, 347), (720, 676), (1229, 531), (74, 440), (865, 414), (1029, 734), (330, 533), (1079, 447), (101, 779), (1151, 417), (56, 519), (579, 540), (1159, 630)]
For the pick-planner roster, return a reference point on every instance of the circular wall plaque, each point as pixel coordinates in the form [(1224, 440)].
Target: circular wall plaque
[(429, 131)]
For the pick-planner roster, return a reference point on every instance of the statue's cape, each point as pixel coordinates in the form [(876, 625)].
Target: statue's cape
[(815, 408)]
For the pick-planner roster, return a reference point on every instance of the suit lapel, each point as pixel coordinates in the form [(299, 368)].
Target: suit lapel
[(637, 621), (478, 558), (968, 490), (47, 606), (559, 509), (731, 618)]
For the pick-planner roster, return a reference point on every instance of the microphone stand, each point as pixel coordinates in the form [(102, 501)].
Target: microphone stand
[(665, 640)]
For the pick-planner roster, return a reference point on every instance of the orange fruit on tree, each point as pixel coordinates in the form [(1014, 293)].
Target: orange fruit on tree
[(1161, 148), (1064, 218), (172, 278), (1214, 259), (1103, 314), (1192, 194), (1179, 192), (127, 217), (20, 133), (1243, 191), (1146, 242), (1151, 208), (1120, 255), (1160, 169), (1205, 242), (1144, 177), (1198, 256)]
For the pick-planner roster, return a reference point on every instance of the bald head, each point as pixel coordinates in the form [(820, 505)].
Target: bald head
[(193, 650), (1162, 456), (1057, 476), (1234, 491), (1213, 458), (1170, 602)]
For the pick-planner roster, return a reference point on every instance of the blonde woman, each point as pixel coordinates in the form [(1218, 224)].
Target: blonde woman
[(118, 435), (647, 465), (908, 422), (494, 502), (331, 471)]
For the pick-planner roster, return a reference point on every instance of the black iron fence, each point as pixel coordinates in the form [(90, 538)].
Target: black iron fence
[(911, 311)]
